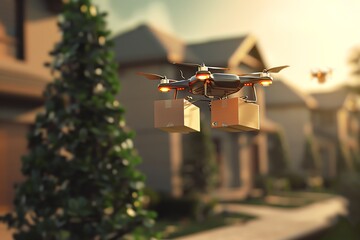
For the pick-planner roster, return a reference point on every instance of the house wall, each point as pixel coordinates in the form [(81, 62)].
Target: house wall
[(293, 121), (41, 34), (328, 154), (12, 147), (229, 164), (336, 131), (21, 85), (325, 123), (161, 152)]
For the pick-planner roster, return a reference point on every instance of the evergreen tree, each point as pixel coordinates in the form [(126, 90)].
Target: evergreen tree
[(279, 157), (312, 160), (199, 169), (199, 172), (81, 181)]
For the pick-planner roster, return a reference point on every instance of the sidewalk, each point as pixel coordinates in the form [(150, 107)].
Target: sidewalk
[(276, 223)]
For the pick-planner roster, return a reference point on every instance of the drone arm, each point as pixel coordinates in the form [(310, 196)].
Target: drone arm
[(175, 85)]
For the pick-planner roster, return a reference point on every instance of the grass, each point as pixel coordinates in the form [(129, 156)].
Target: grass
[(177, 228), (342, 229)]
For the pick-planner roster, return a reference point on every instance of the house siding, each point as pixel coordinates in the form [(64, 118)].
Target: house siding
[(293, 121)]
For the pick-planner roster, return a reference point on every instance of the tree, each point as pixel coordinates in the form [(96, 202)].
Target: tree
[(311, 160), (81, 181), (279, 157), (349, 182), (199, 165), (199, 171)]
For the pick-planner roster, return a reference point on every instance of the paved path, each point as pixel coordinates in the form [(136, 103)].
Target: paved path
[(276, 223)]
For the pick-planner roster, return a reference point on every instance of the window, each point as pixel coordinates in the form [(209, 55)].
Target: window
[(12, 28)]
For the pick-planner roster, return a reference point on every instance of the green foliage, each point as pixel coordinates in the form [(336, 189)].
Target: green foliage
[(278, 154), (178, 228), (81, 181), (312, 160), (342, 229), (199, 169), (348, 161), (349, 187), (296, 181), (168, 207), (199, 172), (286, 182), (347, 158)]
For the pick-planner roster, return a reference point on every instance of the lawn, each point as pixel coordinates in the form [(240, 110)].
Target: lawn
[(342, 229), (185, 226)]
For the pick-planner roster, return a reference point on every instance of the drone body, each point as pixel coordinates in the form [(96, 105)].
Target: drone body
[(213, 85), (321, 75), (227, 114)]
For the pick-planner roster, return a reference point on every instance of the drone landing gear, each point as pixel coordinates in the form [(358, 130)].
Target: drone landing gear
[(206, 90), (254, 100)]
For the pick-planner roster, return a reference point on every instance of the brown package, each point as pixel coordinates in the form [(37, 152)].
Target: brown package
[(234, 115), (176, 115)]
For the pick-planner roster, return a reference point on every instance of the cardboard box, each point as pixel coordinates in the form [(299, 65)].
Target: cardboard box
[(234, 115), (176, 115)]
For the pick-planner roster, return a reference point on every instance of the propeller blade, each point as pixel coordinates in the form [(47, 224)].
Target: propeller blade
[(221, 68), (270, 70), (187, 64), (249, 74), (151, 76), (276, 69), (200, 65), (253, 77)]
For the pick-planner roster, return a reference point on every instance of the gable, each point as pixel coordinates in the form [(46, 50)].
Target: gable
[(138, 45), (282, 94), (147, 44), (216, 53), (331, 100)]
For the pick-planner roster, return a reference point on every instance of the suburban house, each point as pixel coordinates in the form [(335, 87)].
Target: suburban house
[(24, 49), (291, 109), (336, 129), (241, 156), (27, 33)]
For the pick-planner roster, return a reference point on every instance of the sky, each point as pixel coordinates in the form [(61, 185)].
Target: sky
[(305, 34)]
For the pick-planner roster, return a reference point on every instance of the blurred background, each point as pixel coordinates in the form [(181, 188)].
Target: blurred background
[(309, 136)]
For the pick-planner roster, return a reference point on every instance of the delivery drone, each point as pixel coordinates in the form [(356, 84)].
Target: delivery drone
[(321, 75), (214, 85)]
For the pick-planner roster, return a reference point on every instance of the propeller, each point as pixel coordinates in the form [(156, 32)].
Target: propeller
[(269, 70), (276, 69), (153, 76), (200, 66)]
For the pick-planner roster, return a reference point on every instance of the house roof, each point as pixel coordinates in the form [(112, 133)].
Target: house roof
[(130, 46), (331, 100), (281, 93), (146, 43), (216, 52)]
